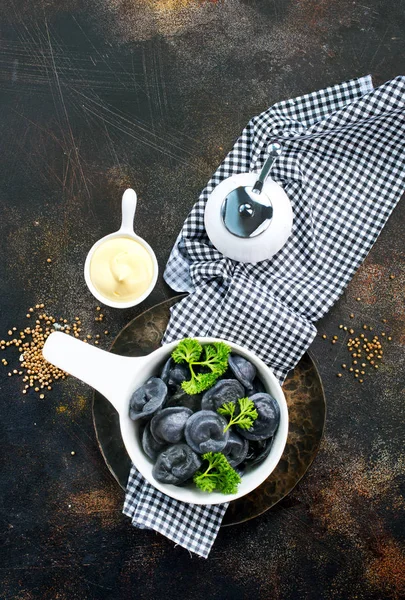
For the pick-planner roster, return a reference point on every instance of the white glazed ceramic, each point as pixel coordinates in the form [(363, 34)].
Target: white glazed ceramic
[(264, 245), (129, 201), (116, 377)]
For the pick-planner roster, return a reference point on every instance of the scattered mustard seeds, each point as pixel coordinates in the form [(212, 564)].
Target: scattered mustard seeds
[(368, 349), (37, 373)]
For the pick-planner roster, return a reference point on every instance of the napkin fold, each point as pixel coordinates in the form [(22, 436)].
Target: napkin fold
[(192, 526), (343, 170)]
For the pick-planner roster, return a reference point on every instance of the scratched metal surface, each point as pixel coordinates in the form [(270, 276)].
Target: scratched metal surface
[(99, 95)]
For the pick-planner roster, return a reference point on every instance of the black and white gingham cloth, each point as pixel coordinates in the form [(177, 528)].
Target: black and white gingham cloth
[(343, 170), (192, 526)]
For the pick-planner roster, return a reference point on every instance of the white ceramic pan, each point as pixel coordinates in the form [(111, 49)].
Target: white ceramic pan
[(116, 377)]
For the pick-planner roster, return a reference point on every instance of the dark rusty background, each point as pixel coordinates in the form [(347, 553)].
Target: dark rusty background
[(100, 95)]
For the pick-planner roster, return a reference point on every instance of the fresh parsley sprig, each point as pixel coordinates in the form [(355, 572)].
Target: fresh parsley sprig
[(215, 358), (188, 350), (219, 475), (245, 417)]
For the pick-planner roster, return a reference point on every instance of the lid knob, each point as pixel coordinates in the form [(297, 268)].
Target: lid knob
[(246, 210), (246, 214)]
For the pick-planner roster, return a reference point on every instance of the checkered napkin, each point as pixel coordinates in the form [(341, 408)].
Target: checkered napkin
[(343, 170)]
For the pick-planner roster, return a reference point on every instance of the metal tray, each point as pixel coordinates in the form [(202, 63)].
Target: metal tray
[(306, 405)]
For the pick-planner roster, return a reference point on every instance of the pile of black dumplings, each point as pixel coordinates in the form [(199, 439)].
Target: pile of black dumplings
[(177, 429)]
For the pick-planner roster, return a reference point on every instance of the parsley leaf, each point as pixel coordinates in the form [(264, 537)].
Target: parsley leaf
[(215, 359), (245, 417), (187, 351), (219, 475)]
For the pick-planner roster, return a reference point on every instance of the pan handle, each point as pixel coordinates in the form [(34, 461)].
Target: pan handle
[(110, 374)]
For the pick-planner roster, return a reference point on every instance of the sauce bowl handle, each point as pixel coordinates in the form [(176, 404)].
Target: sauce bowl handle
[(129, 200)]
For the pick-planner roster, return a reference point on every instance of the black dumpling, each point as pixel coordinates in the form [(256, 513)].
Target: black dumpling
[(204, 432), (225, 390), (236, 449), (258, 386), (258, 451), (148, 399), (267, 421), (167, 425), (181, 398), (150, 446), (243, 370), (176, 464), (174, 374), (164, 376)]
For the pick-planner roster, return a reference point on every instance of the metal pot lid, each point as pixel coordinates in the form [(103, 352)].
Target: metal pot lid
[(246, 213)]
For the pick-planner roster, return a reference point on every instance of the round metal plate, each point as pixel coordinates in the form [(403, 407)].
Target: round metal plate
[(306, 405)]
